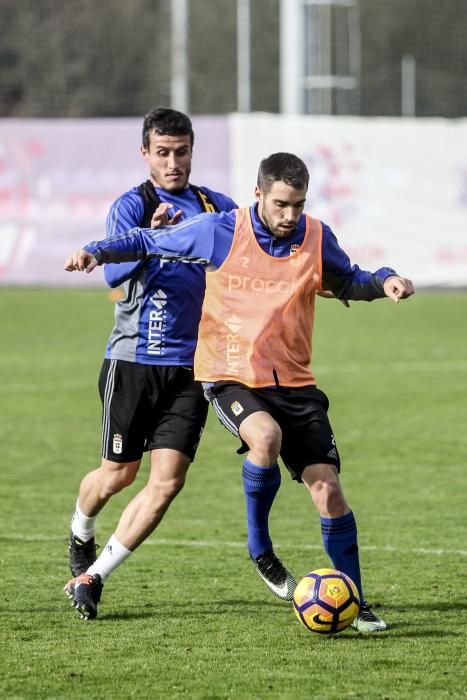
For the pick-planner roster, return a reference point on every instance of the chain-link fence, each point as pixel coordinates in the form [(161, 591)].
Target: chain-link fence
[(114, 57)]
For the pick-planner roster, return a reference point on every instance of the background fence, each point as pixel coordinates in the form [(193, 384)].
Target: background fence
[(119, 57)]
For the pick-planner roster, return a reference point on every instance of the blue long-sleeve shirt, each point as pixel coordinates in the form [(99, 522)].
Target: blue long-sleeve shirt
[(205, 241), (157, 320)]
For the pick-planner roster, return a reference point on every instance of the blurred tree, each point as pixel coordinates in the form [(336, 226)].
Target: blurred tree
[(112, 57), (431, 31), (85, 58)]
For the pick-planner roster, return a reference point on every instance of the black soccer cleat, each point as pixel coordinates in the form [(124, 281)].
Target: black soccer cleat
[(87, 593), (367, 621), (82, 554), (273, 572)]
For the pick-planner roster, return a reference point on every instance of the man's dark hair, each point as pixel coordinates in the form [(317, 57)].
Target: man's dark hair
[(285, 167), (166, 121)]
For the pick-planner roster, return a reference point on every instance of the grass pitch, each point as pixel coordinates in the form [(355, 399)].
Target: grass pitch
[(186, 616)]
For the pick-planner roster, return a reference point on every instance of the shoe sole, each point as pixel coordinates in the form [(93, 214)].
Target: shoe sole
[(84, 612), (69, 590), (83, 598)]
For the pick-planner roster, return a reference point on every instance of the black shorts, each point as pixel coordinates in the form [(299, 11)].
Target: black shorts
[(301, 413), (149, 407)]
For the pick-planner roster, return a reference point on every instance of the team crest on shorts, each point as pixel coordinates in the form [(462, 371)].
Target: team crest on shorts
[(237, 408), (117, 444)]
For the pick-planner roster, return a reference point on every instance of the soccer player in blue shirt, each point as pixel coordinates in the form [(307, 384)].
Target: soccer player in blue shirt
[(271, 402), (149, 397)]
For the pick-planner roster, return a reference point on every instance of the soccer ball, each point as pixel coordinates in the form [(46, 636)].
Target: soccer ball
[(326, 601)]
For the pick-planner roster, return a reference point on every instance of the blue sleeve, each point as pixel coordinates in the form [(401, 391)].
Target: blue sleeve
[(190, 241), (348, 281), (205, 239), (125, 213)]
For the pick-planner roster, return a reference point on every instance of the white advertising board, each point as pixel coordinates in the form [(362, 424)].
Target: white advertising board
[(394, 191)]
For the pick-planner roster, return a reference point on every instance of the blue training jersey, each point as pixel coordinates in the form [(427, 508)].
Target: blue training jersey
[(156, 322), (206, 239)]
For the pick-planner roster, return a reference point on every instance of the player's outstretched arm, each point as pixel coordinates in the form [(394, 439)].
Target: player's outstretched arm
[(397, 288), (81, 260), (191, 241)]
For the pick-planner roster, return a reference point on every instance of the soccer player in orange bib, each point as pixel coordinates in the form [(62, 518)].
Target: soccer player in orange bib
[(265, 265)]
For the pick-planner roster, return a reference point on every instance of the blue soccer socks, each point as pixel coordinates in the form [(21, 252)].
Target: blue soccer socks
[(340, 543), (260, 486)]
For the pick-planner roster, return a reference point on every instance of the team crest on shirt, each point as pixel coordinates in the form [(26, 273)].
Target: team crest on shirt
[(117, 444), (294, 248), (237, 408)]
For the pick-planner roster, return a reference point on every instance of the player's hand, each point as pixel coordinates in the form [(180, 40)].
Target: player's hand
[(397, 288), (329, 295), (161, 216), (80, 260)]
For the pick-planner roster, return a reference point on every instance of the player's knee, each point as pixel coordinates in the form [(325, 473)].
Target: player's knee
[(165, 490), (336, 504), (267, 443), (173, 486), (328, 498), (117, 477)]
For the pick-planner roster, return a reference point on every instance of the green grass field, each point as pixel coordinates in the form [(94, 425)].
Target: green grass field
[(186, 616)]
